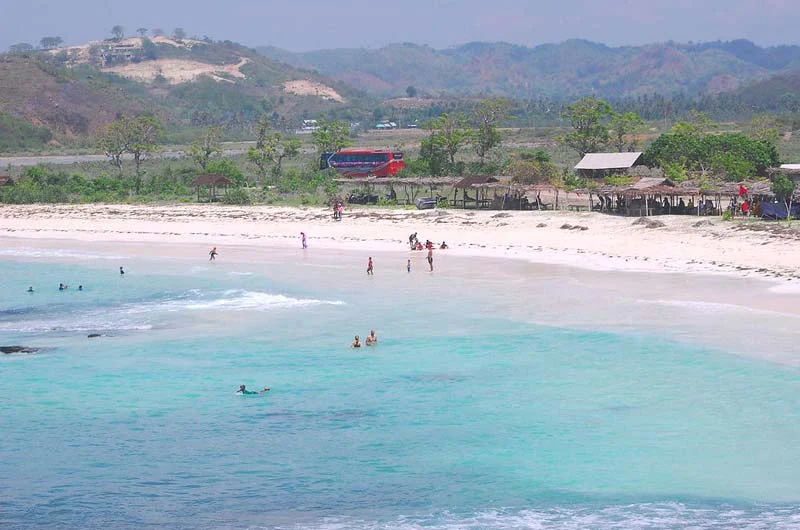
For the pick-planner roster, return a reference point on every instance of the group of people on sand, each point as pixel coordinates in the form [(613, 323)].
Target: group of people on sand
[(338, 208), (372, 340), (415, 243)]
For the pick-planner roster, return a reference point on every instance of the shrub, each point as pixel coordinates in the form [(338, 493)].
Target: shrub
[(238, 196)]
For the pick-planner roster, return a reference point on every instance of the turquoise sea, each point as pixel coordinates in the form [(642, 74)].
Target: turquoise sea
[(500, 396)]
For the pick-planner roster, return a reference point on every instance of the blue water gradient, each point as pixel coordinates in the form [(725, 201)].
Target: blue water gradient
[(460, 418)]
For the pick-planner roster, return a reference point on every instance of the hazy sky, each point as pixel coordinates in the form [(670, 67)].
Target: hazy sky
[(313, 24)]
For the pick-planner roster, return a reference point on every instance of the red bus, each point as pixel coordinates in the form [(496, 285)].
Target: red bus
[(363, 163)]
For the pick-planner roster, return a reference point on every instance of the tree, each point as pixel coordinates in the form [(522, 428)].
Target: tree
[(112, 139), (783, 187), (454, 131), (331, 136), (179, 34), (118, 32), (623, 129), (207, 146), (49, 43), (271, 149), (433, 154), (764, 127), (143, 134), (22, 47), (588, 117), (698, 124), (411, 91), (734, 154), (487, 116), (141, 31)]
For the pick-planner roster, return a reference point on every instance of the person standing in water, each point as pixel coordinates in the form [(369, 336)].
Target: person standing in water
[(356, 342), (305, 243), (121, 271), (408, 265), (430, 258), (212, 255), (370, 272), (372, 338)]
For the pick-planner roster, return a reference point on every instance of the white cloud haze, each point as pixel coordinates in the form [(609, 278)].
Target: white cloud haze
[(314, 24)]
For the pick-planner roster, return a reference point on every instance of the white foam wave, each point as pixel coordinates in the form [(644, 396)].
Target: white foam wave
[(622, 517), (90, 326), (233, 300), (235, 273), (707, 307), (29, 252)]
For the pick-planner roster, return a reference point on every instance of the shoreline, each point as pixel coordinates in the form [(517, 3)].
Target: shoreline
[(686, 244)]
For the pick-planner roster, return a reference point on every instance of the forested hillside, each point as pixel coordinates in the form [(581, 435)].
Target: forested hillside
[(566, 70)]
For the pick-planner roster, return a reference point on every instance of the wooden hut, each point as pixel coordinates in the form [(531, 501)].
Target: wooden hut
[(601, 165), (212, 181), (480, 186)]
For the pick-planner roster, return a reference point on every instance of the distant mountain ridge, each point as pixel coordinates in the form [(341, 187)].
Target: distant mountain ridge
[(568, 69)]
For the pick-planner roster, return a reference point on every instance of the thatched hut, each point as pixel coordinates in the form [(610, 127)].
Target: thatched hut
[(212, 181)]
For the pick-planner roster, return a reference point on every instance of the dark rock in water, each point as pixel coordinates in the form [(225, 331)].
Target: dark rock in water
[(94, 335), (584, 228), (541, 225), (700, 224), (18, 349), (566, 226)]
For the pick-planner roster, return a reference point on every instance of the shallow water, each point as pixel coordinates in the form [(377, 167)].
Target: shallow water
[(539, 397)]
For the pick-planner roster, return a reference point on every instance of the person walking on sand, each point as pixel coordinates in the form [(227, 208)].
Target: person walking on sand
[(408, 265), (430, 258), (369, 267), (212, 255), (339, 210), (305, 243)]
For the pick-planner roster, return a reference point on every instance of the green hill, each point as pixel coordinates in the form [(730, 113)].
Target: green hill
[(188, 84), (565, 70)]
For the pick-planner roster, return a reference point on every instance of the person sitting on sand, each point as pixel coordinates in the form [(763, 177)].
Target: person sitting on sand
[(372, 338), (443, 246), (356, 342), (243, 391)]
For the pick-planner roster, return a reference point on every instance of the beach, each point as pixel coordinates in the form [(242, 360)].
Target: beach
[(685, 244), (613, 377)]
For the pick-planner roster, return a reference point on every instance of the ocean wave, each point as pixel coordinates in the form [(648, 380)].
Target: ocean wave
[(621, 517), (232, 300), (708, 306), (89, 325), (29, 252)]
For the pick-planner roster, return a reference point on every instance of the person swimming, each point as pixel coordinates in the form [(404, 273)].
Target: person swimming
[(372, 338), (30, 289), (266, 389), (80, 287), (356, 342), (243, 391)]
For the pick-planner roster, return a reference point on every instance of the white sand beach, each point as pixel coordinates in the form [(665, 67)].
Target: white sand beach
[(744, 248)]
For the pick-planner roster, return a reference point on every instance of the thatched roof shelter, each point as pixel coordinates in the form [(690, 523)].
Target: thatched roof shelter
[(212, 181)]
